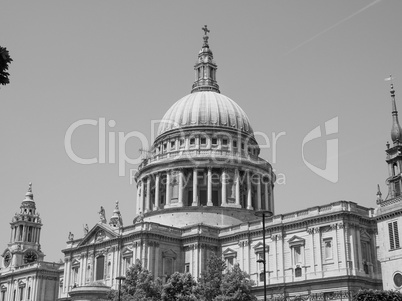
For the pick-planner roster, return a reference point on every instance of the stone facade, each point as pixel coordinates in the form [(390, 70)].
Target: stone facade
[(198, 191), (24, 275)]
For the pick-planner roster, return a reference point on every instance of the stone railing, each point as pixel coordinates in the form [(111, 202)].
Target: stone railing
[(226, 155)]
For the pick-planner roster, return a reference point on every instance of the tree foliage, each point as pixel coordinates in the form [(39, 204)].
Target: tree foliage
[(211, 279), (372, 295), (5, 60), (180, 287), (139, 285), (235, 286), (215, 284)]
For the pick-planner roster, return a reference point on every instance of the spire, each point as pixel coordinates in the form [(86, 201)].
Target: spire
[(29, 194), (205, 68), (396, 131), (379, 194)]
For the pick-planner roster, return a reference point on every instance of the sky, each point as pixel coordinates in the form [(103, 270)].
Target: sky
[(291, 65)]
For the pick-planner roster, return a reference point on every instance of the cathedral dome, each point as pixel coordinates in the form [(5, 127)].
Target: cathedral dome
[(205, 108)]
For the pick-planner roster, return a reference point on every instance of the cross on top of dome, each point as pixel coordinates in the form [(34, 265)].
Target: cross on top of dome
[(205, 29)]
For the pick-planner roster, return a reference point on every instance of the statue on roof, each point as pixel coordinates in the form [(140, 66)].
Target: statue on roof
[(139, 218), (86, 229), (102, 215)]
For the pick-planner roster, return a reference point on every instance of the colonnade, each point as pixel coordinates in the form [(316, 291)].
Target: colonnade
[(25, 233), (174, 183)]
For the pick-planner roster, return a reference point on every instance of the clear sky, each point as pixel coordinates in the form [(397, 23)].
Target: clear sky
[(291, 65)]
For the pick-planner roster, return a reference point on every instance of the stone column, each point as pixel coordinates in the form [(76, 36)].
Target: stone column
[(156, 258), (196, 261), (148, 199), (259, 193), (271, 198), (138, 200), (335, 246), (318, 245), (237, 179), (224, 179), (142, 195), (209, 193), (359, 250), (181, 176), (195, 188), (168, 188), (24, 232), (266, 200), (157, 191), (249, 204)]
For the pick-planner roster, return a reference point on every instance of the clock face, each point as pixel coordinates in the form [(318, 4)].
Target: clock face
[(30, 256), (7, 259)]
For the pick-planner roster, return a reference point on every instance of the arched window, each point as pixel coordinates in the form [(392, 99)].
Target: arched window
[(395, 169)]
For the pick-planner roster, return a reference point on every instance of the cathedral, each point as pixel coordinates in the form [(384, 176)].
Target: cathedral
[(199, 191)]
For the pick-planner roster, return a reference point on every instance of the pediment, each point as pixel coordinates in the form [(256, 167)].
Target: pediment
[(296, 241), (169, 253), (365, 236), (127, 252), (99, 233), (229, 253), (75, 262), (260, 246)]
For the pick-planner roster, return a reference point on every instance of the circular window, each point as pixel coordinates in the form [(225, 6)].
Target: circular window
[(398, 279)]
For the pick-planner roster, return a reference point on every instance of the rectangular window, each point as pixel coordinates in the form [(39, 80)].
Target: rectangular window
[(260, 258), (328, 248), (214, 141), (21, 293), (203, 140), (75, 273), (397, 188), (3, 295), (192, 141), (100, 266), (187, 268), (224, 142), (229, 263), (297, 254), (393, 235), (164, 146), (242, 146), (172, 144), (181, 142), (234, 143), (127, 262)]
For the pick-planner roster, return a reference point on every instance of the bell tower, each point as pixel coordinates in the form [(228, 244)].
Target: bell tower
[(394, 153), (26, 225)]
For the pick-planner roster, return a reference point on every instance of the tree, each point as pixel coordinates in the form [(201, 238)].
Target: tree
[(5, 59), (139, 285), (209, 284), (372, 295), (235, 286), (180, 287)]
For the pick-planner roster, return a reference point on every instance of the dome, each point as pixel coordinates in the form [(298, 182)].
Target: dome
[(205, 108)]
